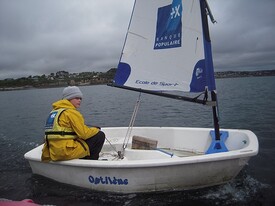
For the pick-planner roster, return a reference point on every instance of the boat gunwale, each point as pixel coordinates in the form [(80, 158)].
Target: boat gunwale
[(247, 152)]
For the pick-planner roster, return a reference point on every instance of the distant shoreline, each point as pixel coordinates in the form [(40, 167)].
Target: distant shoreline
[(218, 75), (237, 74), (44, 87)]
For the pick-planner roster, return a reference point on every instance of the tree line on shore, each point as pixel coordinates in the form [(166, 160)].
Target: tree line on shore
[(60, 78), (64, 78)]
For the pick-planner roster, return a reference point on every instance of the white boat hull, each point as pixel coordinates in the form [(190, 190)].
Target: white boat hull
[(154, 170)]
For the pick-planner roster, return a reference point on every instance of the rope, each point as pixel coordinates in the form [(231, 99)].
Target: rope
[(204, 98), (113, 147), (129, 131), (130, 127)]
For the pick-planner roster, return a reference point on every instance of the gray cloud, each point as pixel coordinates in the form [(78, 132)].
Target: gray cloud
[(39, 37), (243, 38)]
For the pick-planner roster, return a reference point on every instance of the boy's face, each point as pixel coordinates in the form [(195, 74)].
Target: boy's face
[(76, 102)]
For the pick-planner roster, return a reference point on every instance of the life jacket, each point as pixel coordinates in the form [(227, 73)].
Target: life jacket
[(53, 131), (62, 143)]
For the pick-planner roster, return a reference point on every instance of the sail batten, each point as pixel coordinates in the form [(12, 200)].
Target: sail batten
[(167, 48)]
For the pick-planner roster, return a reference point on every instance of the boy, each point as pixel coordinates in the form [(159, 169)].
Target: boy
[(66, 135)]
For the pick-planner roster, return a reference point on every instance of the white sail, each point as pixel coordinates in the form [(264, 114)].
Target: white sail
[(166, 48)]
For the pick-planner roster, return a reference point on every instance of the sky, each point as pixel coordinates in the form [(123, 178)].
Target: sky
[(44, 36)]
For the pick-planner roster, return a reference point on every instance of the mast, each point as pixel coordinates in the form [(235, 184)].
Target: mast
[(215, 116), (205, 10)]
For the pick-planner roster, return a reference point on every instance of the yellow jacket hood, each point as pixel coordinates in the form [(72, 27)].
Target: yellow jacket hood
[(64, 103)]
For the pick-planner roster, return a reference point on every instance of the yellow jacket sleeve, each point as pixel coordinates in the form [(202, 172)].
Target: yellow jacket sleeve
[(72, 118)]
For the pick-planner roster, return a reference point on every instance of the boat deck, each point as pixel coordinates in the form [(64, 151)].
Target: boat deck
[(182, 152), (138, 154)]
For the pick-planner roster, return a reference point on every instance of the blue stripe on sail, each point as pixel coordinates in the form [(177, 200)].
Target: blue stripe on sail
[(210, 80), (209, 67), (122, 74), (203, 73)]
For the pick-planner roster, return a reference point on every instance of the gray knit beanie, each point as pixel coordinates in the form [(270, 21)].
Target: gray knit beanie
[(72, 92)]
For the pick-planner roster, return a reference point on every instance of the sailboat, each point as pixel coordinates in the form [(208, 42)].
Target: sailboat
[(167, 52)]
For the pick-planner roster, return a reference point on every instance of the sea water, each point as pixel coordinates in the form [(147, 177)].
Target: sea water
[(244, 103)]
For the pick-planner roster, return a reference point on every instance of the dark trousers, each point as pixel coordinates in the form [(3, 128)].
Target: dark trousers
[(95, 144)]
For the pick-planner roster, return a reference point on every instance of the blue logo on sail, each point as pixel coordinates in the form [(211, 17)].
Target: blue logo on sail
[(168, 34), (198, 82)]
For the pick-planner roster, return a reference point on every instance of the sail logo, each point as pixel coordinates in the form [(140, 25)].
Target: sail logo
[(175, 12), (169, 26), (199, 72), (198, 81)]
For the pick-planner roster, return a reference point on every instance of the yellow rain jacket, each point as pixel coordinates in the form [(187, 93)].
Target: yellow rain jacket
[(66, 147)]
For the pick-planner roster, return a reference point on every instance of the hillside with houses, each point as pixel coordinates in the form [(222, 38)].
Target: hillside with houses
[(58, 79), (64, 78)]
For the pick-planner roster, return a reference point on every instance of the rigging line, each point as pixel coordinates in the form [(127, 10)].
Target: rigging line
[(131, 124), (210, 13), (111, 145), (138, 35), (204, 98)]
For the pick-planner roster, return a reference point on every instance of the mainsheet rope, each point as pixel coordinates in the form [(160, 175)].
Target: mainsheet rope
[(130, 127)]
